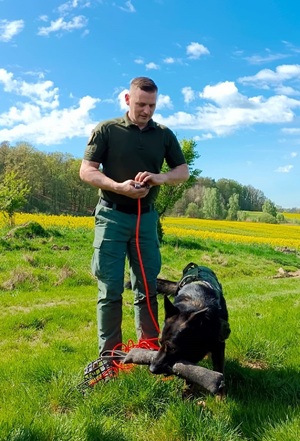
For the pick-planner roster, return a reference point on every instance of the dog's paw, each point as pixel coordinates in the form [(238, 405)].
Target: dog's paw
[(221, 394)]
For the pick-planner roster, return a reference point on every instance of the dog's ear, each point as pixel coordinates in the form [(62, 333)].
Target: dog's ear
[(196, 315), (170, 309)]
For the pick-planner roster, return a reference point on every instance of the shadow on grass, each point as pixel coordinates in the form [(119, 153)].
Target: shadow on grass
[(264, 396)]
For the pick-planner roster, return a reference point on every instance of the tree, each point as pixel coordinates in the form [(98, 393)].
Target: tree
[(13, 195), (192, 210), (269, 207), (170, 194), (213, 205), (233, 207), (252, 199), (228, 187)]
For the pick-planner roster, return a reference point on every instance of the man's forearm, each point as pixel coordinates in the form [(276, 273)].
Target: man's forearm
[(177, 175), (93, 176)]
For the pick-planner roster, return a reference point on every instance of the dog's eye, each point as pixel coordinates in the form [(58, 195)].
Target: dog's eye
[(171, 349)]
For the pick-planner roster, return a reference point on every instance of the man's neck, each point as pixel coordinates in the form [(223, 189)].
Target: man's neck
[(140, 126)]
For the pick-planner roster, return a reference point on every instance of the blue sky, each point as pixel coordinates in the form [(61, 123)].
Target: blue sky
[(228, 73)]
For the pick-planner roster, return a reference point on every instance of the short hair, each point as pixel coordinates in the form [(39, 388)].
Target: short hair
[(145, 84)]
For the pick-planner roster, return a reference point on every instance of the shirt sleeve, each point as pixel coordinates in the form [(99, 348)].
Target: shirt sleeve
[(174, 155), (96, 145)]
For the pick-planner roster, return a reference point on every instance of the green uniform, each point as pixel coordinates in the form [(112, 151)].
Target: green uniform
[(123, 150)]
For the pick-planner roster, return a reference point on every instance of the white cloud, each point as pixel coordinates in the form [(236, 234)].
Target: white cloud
[(222, 110), (188, 94), (152, 66), (41, 93), (229, 110), (169, 60), (139, 61), (40, 120), (65, 8), (260, 59), (286, 90), (182, 120), (164, 101), (50, 128), (203, 137), (267, 77), (292, 131), (294, 154), (195, 50), (43, 18), (226, 94), (128, 7), (60, 25), (121, 100), (8, 29), (284, 169)]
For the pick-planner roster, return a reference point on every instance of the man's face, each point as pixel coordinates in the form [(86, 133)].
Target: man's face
[(141, 105)]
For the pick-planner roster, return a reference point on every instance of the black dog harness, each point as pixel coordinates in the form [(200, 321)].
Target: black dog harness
[(203, 275)]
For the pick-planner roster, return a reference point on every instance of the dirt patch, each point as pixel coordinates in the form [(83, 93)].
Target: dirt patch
[(283, 273), (260, 365)]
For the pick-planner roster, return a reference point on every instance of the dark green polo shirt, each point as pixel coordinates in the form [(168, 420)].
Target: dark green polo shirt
[(123, 150)]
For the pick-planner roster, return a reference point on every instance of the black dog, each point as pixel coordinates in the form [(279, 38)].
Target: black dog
[(196, 324)]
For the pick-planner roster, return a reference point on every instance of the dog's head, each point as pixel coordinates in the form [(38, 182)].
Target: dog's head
[(185, 336)]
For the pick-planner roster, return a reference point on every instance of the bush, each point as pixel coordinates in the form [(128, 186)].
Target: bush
[(267, 218), (280, 218), (241, 216)]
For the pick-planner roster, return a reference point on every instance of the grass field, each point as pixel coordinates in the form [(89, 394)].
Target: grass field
[(48, 336)]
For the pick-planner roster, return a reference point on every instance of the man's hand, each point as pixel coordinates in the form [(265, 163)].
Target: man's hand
[(133, 189), (150, 179), (172, 177)]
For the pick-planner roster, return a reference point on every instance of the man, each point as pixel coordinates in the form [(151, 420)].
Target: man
[(131, 151)]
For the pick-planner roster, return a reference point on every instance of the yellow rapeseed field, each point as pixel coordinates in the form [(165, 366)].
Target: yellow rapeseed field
[(292, 216), (278, 235)]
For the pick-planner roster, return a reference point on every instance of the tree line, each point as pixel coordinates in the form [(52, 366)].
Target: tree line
[(40, 182), (49, 183), (52, 178), (222, 199)]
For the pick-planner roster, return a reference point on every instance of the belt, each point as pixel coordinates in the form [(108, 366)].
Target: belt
[(125, 208)]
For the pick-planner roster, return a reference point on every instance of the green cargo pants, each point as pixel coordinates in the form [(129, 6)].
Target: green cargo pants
[(114, 240)]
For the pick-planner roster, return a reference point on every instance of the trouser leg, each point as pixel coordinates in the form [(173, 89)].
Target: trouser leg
[(109, 319), (109, 303), (108, 264), (146, 321)]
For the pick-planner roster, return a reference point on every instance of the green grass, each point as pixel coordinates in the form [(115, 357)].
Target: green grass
[(48, 336)]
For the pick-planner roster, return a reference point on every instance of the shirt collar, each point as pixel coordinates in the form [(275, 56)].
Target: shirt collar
[(128, 122)]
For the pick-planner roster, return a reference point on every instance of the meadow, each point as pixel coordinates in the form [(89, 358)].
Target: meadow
[(48, 336)]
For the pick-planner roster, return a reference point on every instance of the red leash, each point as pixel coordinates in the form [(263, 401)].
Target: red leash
[(137, 232)]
